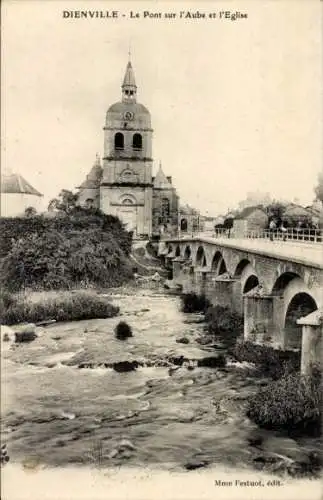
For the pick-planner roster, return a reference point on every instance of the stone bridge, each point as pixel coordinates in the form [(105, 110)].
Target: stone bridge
[(277, 286)]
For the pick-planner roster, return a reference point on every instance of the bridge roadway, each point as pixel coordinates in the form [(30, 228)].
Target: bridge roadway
[(306, 253)]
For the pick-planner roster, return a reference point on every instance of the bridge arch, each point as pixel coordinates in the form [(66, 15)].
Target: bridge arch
[(218, 263), (200, 259), (298, 301), (251, 282), (283, 281), (300, 305), (241, 266), (187, 252)]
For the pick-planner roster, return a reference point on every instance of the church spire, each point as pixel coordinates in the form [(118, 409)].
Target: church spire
[(129, 87)]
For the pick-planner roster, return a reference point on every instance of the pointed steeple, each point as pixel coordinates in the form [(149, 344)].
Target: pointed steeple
[(129, 87), (161, 181)]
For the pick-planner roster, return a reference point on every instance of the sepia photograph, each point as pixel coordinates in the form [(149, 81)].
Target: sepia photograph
[(161, 250)]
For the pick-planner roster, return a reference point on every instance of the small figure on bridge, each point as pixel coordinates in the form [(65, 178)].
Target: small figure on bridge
[(284, 231), (272, 227)]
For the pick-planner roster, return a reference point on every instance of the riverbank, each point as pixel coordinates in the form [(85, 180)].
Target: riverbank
[(72, 483)]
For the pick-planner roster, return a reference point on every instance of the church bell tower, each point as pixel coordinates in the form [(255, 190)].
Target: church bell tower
[(126, 186)]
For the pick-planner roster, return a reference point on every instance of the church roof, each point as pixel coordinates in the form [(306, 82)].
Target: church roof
[(93, 178), (161, 181), (15, 183), (135, 107), (129, 77)]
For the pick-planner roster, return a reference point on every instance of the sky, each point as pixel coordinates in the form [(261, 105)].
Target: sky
[(235, 105)]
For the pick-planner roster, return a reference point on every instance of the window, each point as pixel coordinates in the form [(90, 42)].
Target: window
[(127, 201), (137, 141), (165, 208), (118, 141)]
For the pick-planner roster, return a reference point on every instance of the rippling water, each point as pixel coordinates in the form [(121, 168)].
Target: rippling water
[(58, 414)]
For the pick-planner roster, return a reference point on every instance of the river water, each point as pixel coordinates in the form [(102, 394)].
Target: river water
[(57, 414)]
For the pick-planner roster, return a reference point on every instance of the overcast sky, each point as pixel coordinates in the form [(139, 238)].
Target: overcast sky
[(235, 105)]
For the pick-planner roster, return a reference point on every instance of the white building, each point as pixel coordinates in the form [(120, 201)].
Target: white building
[(17, 195)]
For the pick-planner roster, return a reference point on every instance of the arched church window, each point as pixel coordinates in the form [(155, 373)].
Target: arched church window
[(165, 207), (118, 141), (127, 201), (137, 141), (184, 225)]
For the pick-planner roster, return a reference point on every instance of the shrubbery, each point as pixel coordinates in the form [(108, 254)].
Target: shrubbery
[(191, 302), (271, 362), (292, 403), (61, 306), (13, 228), (221, 321), (55, 259)]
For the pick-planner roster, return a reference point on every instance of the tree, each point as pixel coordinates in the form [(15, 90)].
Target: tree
[(66, 202), (319, 188), (30, 211)]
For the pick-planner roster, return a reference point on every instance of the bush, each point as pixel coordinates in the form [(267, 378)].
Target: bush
[(123, 331), (271, 362), (12, 228), (292, 403), (223, 322), (58, 260), (62, 306), (191, 302)]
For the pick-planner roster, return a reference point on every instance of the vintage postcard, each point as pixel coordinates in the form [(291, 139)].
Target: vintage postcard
[(161, 250)]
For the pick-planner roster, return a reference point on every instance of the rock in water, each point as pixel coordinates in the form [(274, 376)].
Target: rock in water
[(212, 362), (26, 333), (195, 464), (125, 366), (183, 340), (123, 331)]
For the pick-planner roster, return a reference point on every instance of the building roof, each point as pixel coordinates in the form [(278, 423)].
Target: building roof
[(161, 181), (93, 178), (129, 77), (15, 183), (122, 107)]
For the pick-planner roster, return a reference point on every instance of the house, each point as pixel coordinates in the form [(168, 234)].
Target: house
[(17, 195), (250, 219)]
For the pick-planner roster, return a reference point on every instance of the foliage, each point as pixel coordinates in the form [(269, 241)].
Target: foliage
[(30, 211), (319, 187), (53, 260), (12, 228), (65, 202), (191, 302), (152, 249), (293, 403), (222, 320), (123, 331), (61, 306), (271, 362)]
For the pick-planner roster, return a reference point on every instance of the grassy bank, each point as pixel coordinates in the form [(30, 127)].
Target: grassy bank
[(60, 306)]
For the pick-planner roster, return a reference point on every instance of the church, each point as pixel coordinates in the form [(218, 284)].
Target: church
[(123, 184)]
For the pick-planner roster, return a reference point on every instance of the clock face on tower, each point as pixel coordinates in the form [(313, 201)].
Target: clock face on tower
[(128, 115)]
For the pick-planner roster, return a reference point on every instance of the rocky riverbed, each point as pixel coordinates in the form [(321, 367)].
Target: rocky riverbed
[(65, 402)]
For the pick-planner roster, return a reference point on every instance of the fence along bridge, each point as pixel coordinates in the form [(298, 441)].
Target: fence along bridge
[(274, 280)]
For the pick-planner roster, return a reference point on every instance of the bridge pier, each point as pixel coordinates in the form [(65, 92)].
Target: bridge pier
[(258, 318), (312, 344)]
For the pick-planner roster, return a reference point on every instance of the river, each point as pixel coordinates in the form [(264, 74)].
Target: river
[(57, 414)]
